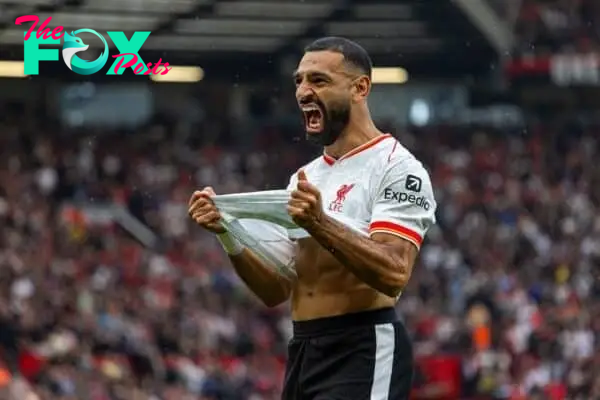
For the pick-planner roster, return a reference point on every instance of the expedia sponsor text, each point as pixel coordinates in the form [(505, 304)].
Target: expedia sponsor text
[(401, 197)]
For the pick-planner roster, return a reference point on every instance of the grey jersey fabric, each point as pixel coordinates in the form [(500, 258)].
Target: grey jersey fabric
[(259, 220)]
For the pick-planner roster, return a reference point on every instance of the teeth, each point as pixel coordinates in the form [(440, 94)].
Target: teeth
[(306, 109)]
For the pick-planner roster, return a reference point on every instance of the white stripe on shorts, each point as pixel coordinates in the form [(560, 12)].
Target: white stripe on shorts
[(385, 339)]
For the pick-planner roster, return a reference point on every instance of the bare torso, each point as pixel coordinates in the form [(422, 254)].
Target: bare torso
[(326, 288)]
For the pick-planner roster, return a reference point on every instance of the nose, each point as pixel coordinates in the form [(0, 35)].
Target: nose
[(305, 95), (304, 91)]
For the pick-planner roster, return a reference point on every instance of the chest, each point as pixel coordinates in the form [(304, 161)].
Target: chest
[(347, 194)]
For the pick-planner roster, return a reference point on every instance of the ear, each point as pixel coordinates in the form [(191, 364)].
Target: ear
[(362, 88)]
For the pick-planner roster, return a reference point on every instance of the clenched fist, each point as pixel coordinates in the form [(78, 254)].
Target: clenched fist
[(305, 205), (203, 210)]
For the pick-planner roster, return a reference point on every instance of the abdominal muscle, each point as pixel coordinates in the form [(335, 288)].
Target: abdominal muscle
[(326, 288)]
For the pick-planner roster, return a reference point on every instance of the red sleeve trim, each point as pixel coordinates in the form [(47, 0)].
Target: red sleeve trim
[(398, 230)]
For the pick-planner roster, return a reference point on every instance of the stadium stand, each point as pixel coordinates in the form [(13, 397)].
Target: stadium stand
[(550, 26)]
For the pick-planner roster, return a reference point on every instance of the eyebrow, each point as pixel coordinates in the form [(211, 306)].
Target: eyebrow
[(312, 73)]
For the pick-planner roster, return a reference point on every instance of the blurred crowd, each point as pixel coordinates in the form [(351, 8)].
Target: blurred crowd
[(549, 26), (507, 283), (512, 274)]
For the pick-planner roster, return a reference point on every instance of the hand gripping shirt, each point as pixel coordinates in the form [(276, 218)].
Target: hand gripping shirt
[(377, 187)]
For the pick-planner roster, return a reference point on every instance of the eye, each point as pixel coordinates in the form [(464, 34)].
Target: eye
[(319, 81)]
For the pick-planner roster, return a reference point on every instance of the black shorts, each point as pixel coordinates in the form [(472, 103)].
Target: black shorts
[(362, 356)]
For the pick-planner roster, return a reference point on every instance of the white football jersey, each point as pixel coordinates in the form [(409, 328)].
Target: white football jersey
[(377, 187)]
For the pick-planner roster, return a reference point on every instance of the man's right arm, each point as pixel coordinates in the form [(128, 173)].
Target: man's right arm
[(269, 286), (264, 281)]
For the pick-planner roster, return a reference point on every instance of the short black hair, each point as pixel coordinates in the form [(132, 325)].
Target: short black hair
[(353, 53)]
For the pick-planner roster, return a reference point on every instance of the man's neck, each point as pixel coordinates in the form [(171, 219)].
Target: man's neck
[(351, 138)]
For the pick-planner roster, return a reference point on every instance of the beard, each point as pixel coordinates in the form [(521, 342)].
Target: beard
[(335, 119)]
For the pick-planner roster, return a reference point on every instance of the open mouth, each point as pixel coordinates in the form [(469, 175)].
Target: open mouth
[(313, 118)]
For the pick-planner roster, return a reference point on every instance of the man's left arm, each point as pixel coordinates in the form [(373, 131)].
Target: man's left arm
[(403, 211)]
